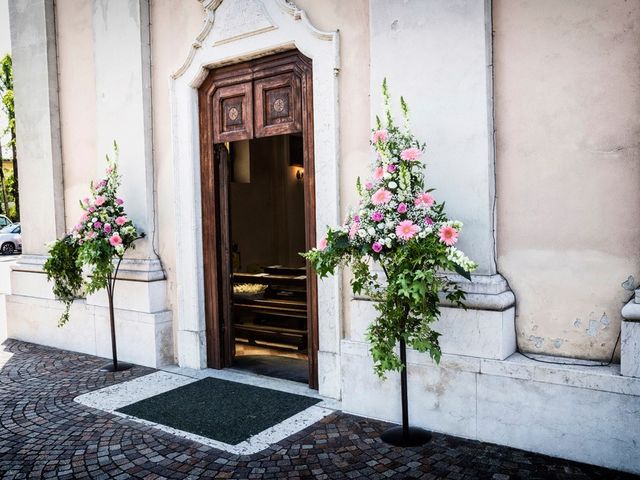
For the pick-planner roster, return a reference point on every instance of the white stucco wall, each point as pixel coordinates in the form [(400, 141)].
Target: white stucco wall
[(567, 99)]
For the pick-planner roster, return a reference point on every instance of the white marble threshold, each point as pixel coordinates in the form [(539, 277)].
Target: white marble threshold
[(111, 398)]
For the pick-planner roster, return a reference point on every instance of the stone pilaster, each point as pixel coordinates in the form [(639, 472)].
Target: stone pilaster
[(35, 71), (630, 338)]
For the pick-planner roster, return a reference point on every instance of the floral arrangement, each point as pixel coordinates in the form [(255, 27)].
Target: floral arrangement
[(399, 225), (104, 232)]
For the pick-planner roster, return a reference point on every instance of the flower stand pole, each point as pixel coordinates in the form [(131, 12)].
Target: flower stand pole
[(114, 366), (404, 435)]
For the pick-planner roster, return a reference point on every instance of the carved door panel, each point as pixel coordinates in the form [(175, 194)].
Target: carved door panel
[(233, 106), (277, 105)]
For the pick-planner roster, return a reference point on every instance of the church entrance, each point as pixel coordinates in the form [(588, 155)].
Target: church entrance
[(258, 204)]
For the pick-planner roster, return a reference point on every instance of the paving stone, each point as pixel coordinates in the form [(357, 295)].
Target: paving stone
[(45, 434)]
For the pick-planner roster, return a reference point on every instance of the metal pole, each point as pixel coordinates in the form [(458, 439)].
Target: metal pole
[(403, 388), (114, 350)]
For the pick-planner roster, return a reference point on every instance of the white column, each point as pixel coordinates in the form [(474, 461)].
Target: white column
[(123, 104), (35, 71)]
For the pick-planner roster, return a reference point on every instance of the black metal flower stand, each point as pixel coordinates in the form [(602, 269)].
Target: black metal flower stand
[(115, 366), (404, 435)]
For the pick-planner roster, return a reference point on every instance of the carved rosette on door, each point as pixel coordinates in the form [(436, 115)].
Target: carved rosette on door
[(233, 119), (274, 101), (277, 108)]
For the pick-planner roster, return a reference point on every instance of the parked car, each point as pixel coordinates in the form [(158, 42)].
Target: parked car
[(10, 239), (4, 221)]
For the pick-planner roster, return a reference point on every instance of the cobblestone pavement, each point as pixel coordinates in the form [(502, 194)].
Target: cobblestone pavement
[(45, 434)]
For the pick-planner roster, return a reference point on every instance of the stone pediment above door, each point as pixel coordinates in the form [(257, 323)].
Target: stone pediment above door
[(238, 19)]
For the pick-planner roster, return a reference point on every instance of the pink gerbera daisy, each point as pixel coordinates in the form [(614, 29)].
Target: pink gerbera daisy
[(448, 235), (406, 229), (410, 154), (381, 196), (380, 135), (424, 199), (115, 240)]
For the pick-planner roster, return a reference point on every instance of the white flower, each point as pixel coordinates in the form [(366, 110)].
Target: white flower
[(381, 226), (392, 185), (371, 231)]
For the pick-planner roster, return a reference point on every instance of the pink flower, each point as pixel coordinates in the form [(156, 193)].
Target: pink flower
[(353, 230), (84, 217), (392, 168), (119, 201), (107, 228), (85, 200), (424, 199), (380, 135), (378, 174), (91, 235), (103, 183), (402, 208), (323, 244), (115, 240), (109, 170), (381, 196), (428, 221), (91, 209), (97, 225), (100, 200), (377, 216), (448, 235), (368, 185), (407, 230), (356, 218), (410, 154), (376, 247), (121, 221)]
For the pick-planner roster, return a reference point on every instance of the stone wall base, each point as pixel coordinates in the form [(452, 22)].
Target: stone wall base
[(143, 325), (586, 414)]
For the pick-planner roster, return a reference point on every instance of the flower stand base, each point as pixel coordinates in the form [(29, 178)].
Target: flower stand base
[(119, 367), (412, 437)]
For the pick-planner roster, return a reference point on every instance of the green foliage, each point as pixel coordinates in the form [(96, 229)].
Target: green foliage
[(65, 272)]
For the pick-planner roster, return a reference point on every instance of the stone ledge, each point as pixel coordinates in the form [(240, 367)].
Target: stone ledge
[(606, 379), (131, 269)]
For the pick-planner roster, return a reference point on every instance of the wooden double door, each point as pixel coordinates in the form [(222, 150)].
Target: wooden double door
[(265, 97)]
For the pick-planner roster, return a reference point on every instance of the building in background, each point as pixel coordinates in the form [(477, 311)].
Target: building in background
[(530, 113)]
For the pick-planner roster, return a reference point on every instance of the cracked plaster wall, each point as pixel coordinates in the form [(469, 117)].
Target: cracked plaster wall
[(567, 99)]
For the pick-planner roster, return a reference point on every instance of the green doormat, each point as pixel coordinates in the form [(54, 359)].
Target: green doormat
[(226, 411)]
